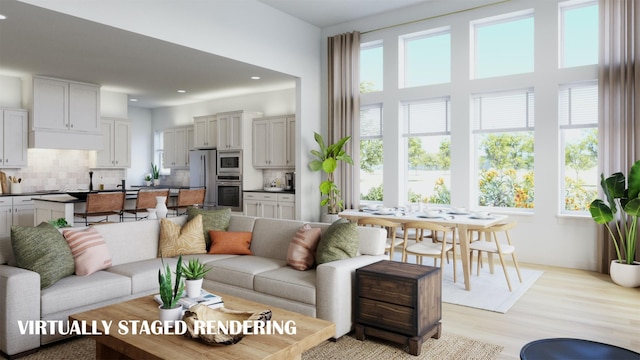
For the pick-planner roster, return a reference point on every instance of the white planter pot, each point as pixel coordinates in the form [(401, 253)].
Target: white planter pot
[(156, 182), (329, 218), (624, 274), (161, 207), (193, 287), (170, 315)]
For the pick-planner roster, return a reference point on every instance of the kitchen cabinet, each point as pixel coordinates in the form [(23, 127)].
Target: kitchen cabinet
[(176, 147), (205, 132), (15, 210), (116, 144), (64, 105), (271, 142), (14, 138), (232, 130), (269, 205)]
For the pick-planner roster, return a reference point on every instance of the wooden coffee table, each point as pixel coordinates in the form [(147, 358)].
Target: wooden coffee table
[(310, 332)]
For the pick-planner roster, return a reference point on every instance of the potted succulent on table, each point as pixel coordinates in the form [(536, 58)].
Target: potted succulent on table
[(155, 174), (326, 159), (194, 272), (147, 179), (170, 292), (621, 194)]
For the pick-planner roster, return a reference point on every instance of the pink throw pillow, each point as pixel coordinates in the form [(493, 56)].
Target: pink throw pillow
[(89, 250), (302, 248)]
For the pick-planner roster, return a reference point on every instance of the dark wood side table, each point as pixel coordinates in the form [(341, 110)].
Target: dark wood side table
[(399, 302)]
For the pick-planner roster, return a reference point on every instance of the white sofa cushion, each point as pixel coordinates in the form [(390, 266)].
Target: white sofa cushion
[(240, 271), (288, 283), (271, 237), (144, 273), (76, 291)]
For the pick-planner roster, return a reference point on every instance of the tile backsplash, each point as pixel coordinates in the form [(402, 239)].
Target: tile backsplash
[(63, 169)]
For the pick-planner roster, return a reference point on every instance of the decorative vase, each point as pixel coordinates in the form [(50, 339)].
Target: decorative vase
[(329, 218), (156, 182), (170, 315), (161, 207), (193, 287), (152, 214), (625, 274), (147, 183)]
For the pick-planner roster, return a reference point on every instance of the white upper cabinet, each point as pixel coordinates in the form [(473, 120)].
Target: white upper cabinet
[(205, 132), (116, 144), (13, 140), (176, 145), (272, 138), (65, 105)]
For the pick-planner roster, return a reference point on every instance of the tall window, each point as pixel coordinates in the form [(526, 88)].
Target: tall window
[(503, 127), (371, 153), (578, 119), (371, 67), (427, 130), (578, 33), (503, 45), (427, 58)]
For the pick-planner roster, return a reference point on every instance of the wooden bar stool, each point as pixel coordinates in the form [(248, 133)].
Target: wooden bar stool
[(146, 199), (102, 204), (187, 198)]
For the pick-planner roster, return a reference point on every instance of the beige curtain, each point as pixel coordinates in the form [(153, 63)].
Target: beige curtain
[(619, 88), (344, 109)]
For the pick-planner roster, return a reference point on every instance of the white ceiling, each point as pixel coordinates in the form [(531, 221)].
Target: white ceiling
[(35, 40)]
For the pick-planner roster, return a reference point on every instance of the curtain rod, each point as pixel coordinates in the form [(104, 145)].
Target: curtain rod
[(437, 16)]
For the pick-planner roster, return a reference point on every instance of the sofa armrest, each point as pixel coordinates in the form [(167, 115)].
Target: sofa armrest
[(19, 300), (335, 283), (371, 240)]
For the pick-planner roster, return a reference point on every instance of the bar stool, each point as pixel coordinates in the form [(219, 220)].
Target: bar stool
[(146, 199), (103, 204), (187, 198)]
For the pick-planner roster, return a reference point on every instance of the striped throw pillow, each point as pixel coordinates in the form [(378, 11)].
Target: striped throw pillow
[(301, 254), (89, 250)]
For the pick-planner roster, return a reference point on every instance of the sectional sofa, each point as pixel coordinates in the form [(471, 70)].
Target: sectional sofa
[(324, 291)]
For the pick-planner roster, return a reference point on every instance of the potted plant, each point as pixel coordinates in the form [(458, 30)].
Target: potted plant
[(170, 292), (623, 196), (194, 272), (147, 179), (155, 174), (326, 159)]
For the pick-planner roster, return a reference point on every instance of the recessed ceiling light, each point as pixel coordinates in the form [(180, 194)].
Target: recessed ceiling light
[(133, 100), (2, 17), (182, 91), (255, 78)]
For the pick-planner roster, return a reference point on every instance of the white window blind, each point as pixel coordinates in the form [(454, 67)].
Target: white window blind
[(371, 121), (578, 106), (503, 111), (427, 117)]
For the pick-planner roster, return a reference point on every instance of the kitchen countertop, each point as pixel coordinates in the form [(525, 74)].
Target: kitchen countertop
[(272, 192)]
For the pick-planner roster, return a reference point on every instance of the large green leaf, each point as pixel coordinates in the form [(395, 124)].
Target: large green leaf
[(600, 212), (329, 165), (633, 207), (315, 165), (634, 181)]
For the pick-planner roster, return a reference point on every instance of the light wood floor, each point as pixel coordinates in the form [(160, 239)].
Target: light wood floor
[(562, 303)]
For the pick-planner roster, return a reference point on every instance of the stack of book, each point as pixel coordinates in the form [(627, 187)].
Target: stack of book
[(206, 298)]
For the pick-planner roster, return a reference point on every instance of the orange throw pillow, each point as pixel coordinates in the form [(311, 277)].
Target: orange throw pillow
[(230, 242)]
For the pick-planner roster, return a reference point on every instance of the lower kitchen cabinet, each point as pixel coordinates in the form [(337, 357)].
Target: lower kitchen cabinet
[(269, 205), (15, 210)]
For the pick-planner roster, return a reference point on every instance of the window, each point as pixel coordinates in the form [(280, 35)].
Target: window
[(503, 45), (578, 119), (427, 58), (371, 153), (578, 33), (503, 125), (371, 67), (427, 129)]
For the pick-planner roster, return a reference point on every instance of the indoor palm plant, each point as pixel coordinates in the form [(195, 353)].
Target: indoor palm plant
[(170, 292), (326, 159), (194, 272), (619, 214)]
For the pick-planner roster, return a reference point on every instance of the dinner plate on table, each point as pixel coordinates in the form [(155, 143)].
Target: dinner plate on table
[(384, 213), (482, 218), (425, 216)]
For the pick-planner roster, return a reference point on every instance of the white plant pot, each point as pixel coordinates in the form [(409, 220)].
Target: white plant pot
[(161, 207), (329, 218), (624, 274), (170, 315), (156, 182), (193, 287)]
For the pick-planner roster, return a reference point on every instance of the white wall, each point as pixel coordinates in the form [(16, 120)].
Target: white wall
[(544, 236), (141, 145), (248, 31), (11, 94)]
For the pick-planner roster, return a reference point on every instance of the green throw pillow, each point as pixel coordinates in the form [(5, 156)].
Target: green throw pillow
[(44, 250), (339, 241), (211, 220)]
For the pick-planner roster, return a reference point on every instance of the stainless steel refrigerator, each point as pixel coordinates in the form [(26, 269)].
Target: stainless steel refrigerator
[(202, 172)]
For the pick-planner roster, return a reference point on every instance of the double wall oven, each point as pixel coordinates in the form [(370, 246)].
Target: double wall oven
[(229, 180)]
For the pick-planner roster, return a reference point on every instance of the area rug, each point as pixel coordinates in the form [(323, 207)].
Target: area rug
[(448, 347), (488, 291)]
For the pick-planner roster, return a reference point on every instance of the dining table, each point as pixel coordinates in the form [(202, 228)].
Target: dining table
[(461, 220)]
